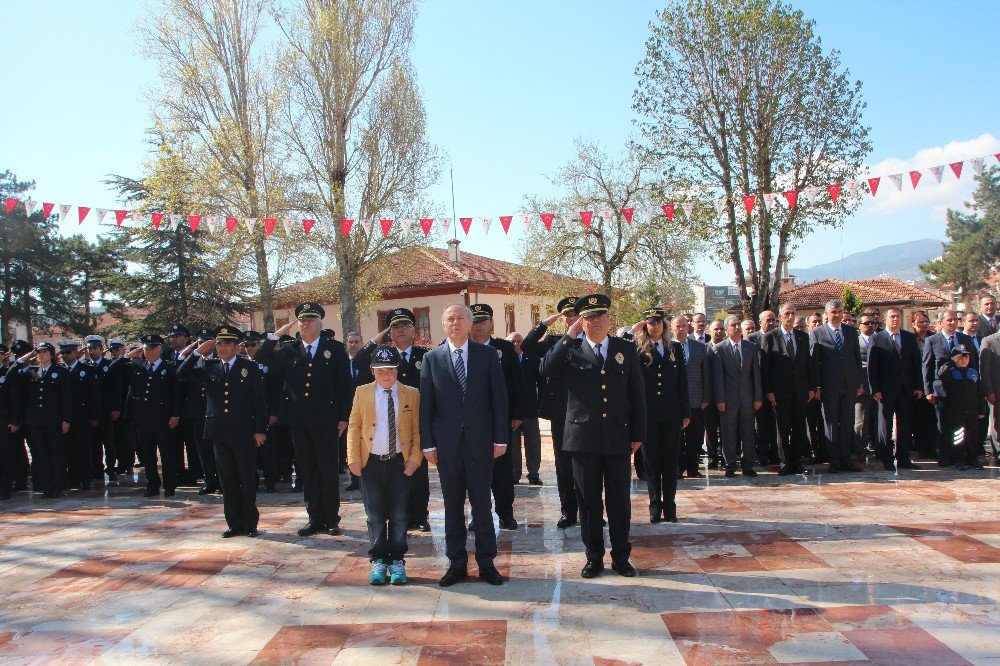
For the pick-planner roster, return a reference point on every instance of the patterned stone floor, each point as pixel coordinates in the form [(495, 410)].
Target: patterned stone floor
[(869, 567)]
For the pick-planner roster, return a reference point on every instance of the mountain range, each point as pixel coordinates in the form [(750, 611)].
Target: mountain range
[(901, 261)]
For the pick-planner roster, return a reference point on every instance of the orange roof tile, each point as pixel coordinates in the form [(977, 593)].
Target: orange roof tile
[(878, 291)]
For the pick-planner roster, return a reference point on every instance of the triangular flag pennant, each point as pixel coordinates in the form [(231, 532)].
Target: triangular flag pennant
[(486, 222), (834, 191), (175, 221), (566, 222), (327, 225), (586, 216), (649, 212), (668, 210), (366, 224), (997, 155), (157, 220), (897, 180), (720, 207), (137, 218), (505, 221), (194, 221), (547, 219), (425, 224), (749, 202), (82, 211), (937, 171), (687, 206), (269, 223), (770, 200), (286, 224), (250, 223), (628, 213), (466, 223), (231, 223), (873, 184), (915, 178), (10, 202), (852, 186), (445, 223), (606, 216), (29, 207), (101, 213), (526, 220), (956, 168), (386, 225), (977, 165), (405, 224), (307, 225), (791, 196), (345, 226), (63, 211), (47, 209), (210, 223), (120, 216)]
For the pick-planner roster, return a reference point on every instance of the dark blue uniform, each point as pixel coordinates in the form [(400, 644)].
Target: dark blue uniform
[(9, 404), (85, 394), (46, 405), (963, 396), (154, 397), (503, 468), (103, 450)]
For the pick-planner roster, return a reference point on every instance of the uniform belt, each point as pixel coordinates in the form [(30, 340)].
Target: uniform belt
[(388, 456)]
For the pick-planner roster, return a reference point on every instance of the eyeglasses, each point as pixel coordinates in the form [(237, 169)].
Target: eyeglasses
[(251, 344), (867, 323)]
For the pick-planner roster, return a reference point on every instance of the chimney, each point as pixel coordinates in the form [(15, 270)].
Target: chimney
[(454, 254)]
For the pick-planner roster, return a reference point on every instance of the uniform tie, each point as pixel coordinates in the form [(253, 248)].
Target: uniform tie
[(402, 355), (391, 421), (599, 355), (460, 370)]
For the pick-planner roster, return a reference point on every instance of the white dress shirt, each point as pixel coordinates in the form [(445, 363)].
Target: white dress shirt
[(465, 355), (602, 346), (380, 440)]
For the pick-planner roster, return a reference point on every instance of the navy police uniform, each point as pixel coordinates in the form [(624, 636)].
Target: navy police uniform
[(85, 395)]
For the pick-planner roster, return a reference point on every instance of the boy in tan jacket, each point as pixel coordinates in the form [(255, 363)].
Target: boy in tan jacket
[(383, 448)]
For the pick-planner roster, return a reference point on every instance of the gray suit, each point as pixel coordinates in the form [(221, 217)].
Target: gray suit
[(866, 408), (840, 376), (699, 383), (986, 327), (989, 367), (736, 382)]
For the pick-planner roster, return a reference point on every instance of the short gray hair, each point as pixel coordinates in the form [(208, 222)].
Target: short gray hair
[(732, 318), (833, 304), (787, 305), (944, 313)]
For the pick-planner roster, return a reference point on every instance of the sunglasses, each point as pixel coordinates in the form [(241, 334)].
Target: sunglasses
[(251, 344), (867, 323)]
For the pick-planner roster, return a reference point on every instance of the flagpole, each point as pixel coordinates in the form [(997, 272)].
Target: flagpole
[(454, 219)]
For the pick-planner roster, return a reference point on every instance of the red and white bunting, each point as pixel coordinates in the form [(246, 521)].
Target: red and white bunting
[(956, 168), (547, 220), (687, 206), (834, 191), (425, 225), (466, 223), (915, 178), (269, 223), (749, 201), (210, 222), (137, 219), (386, 225), (175, 222), (120, 216), (852, 186), (445, 223), (405, 224), (771, 200), (10, 203), (586, 216), (157, 220), (567, 224), (791, 196), (505, 221), (193, 222), (231, 224), (873, 185), (307, 226), (101, 213), (649, 212), (720, 207), (668, 210), (345, 226), (628, 212), (250, 223), (977, 165), (366, 224), (606, 216), (63, 212), (81, 212), (937, 172), (526, 220), (29, 207), (897, 180), (286, 224), (486, 222)]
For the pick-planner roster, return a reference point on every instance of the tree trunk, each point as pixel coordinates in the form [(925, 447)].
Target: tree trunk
[(29, 333), (347, 291), (264, 284)]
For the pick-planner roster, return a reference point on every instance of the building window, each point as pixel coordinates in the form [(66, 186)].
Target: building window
[(508, 315), (423, 317), (535, 316)]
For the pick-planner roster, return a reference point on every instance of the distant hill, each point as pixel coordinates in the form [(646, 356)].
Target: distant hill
[(900, 261)]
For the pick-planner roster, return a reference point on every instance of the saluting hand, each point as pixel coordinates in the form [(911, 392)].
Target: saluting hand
[(207, 347), (575, 328), (548, 321), (190, 348), (259, 438), (382, 336), (286, 328), (638, 326), (135, 353)]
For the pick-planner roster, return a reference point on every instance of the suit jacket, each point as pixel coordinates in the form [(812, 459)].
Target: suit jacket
[(989, 363), (316, 393), (552, 395), (699, 372), (235, 405), (737, 382), (153, 397), (891, 371), (936, 354), (361, 427), (446, 413), (780, 374), (666, 385), (85, 393), (986, 327), (605, 407), (863, 350), (837, 371), (534, 384)]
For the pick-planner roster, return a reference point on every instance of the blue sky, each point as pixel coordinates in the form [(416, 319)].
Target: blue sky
[(509, 85)]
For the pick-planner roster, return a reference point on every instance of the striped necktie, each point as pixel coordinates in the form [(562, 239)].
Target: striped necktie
[(460, 371), (391, 421)]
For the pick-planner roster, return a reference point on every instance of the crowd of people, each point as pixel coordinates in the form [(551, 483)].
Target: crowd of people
[(671, 397)]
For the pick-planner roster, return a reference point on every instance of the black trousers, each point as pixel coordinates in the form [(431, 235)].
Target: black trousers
[(713, 432), (925, 428), (790, 422), (467, 475), (103, 450), (267, 460), (125, 448), (502, 483), (79, 451), (316, 463), (661, 451), (767, 437), (235, 462), (692, 440), (420, 495), (20, 466), (564, 470), (970, 447), (816, 429), (158, 437), (901, 407), (206, 451), (284, 449), (6, 458), (384, 491), (48, 451), (838, 412), (601, 478), (945, 441)]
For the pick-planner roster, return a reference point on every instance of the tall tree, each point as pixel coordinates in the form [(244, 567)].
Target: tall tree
[(355, 122), (738, 98), (93, 270), (614, 253), (971, 257)]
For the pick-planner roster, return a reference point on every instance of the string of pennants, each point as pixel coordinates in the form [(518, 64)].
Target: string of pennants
[(215, 224)]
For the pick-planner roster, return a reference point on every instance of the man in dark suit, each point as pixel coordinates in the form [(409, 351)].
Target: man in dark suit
[(360, 371), (713, 422), (699, 322), (401, 332), (937, 351), (839, 380), (699, 387), (503, 470), (529, 431), (235, 421), (766, 442), (989, 320), (895, 381), (738, 395), (552, 405), (124, 433), (464, 425), (316, 399), (605, 424), (788, 377)]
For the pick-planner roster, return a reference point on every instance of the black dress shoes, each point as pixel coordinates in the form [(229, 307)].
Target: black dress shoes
[(253, 534), (750, 472), (151, 492), (695, 475), (206, 490), (655, 517), (310, 529), (424, 526), (491, 575), (454, 575), (730, 473), (533, 480), (592, 568), (334, 531), (566, 521), (508, 524), (229, 534), (353, 485), (786, 471), (623, 568), (169, 493), (671, 517)]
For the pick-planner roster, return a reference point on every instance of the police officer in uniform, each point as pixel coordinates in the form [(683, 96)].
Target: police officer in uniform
[(178, 338), (7, 428), (503, 469), (102, 438), (552, 405), (123, 431), (19, 447), (316, 398), (605, 425), (235, 421), (193, 421), (47, 410), (155, 400), (401, 330), (85, 394)]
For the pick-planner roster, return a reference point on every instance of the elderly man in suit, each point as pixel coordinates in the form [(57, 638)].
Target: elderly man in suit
[(464, 426), (699, 385), (895, 382), (937, 352), (839, 382), (738, 395), (788, 377)]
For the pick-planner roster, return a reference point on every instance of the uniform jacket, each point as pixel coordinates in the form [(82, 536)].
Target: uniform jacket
[(666, 385), (894, 371), (552, 392), (361, 427), (605, 407), (119, 371), (837, 371), (85, 393), (512, 375), (408, 373), (781, 375), (316, 392), (44, 397), (964, 390), (534, 384), (153, 397), (235, 406)]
